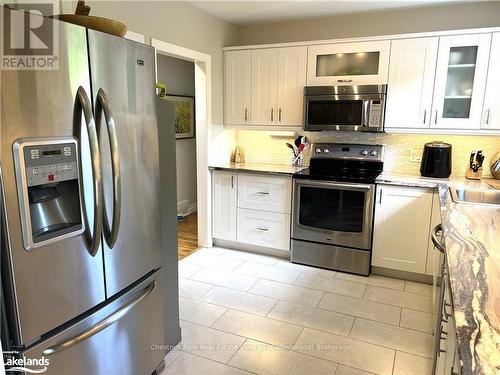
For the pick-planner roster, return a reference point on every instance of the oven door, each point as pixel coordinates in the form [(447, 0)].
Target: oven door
[(334, 213)]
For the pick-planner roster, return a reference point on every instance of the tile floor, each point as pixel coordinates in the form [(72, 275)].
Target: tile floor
[(245, 313)]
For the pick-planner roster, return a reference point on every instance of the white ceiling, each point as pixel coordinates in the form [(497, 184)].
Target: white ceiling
[(243, 12)]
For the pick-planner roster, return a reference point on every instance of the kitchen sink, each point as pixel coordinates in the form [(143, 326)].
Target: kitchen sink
[(475, 196)]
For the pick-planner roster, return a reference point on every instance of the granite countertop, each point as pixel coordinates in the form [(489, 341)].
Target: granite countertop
[(472, 239), (257, 168), (415, 180)]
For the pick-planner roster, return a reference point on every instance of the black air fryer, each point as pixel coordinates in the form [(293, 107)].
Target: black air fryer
[(436, 160)]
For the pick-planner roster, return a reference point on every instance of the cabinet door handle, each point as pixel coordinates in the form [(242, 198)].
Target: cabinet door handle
[(380, 199), (488, 113), (232, 182), (246, 115), (279, 115), (260, 229), (438, 229), (436, 117), (446, 313), (272, 114), (344, 80), (262, 193), (425, 116)]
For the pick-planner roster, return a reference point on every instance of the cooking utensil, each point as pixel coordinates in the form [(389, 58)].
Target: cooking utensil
[(289, 145)]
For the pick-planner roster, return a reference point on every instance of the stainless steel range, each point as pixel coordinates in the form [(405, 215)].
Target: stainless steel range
[(333, 203)]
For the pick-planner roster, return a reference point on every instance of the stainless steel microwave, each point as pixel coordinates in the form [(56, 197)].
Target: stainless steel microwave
[(347, 108)]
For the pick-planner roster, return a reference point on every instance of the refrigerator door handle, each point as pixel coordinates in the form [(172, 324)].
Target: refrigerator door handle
[(82, 104), (102, 105), (101, 325)]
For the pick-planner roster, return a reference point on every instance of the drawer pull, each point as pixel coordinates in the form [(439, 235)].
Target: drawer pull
[(260, 229), (262, 193)]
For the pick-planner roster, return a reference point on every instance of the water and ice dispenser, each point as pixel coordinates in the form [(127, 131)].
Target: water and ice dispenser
[(47, 174)]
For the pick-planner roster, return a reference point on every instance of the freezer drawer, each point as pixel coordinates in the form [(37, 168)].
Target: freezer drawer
[(134, 344)]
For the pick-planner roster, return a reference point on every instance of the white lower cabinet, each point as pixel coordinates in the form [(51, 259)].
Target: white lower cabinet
[(402, 228), (267, 229), (224, 205), (252, 208)]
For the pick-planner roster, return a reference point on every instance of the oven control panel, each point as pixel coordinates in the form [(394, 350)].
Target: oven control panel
[(347, 151)]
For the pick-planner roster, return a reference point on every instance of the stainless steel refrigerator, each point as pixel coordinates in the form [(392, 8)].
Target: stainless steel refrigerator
[(81, 253)]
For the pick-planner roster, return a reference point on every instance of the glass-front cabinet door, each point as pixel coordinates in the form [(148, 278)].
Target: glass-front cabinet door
[(348, 63), (461, 71)]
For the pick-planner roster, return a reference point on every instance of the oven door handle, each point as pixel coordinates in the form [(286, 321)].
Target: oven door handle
[(328, 184)]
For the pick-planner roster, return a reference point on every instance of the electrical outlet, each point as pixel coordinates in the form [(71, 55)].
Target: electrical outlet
[(415, 156)]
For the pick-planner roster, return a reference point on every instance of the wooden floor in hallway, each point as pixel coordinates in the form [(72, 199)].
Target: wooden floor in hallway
[(188, 236)]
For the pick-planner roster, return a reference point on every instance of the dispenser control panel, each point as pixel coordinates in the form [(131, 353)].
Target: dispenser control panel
[(50, 163)]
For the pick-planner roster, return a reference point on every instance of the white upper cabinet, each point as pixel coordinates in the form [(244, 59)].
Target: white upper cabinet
[(411, 82), (238, 85), (460, 81), (278, 80), (491, 110), (436, 84), (264, 86), (291, 82), (348, 63)]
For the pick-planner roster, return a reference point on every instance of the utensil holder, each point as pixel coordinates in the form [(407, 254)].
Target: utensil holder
[(471, 175), (298, 160)]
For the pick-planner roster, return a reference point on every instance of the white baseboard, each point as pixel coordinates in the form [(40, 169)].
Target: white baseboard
[(192, 208), (252, 248), (184, 208)]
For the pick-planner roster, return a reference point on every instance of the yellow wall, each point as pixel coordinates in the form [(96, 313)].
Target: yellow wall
[(261, 147)]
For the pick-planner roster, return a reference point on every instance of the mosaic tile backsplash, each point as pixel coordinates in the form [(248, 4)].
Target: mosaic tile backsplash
[(263, 147)]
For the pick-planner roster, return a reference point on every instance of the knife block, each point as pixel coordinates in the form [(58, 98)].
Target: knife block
[(471, 175)]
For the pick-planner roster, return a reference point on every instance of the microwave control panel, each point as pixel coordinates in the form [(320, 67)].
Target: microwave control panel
[(375, 114)]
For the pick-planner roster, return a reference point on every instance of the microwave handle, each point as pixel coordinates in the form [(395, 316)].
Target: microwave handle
[(366, 111)]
